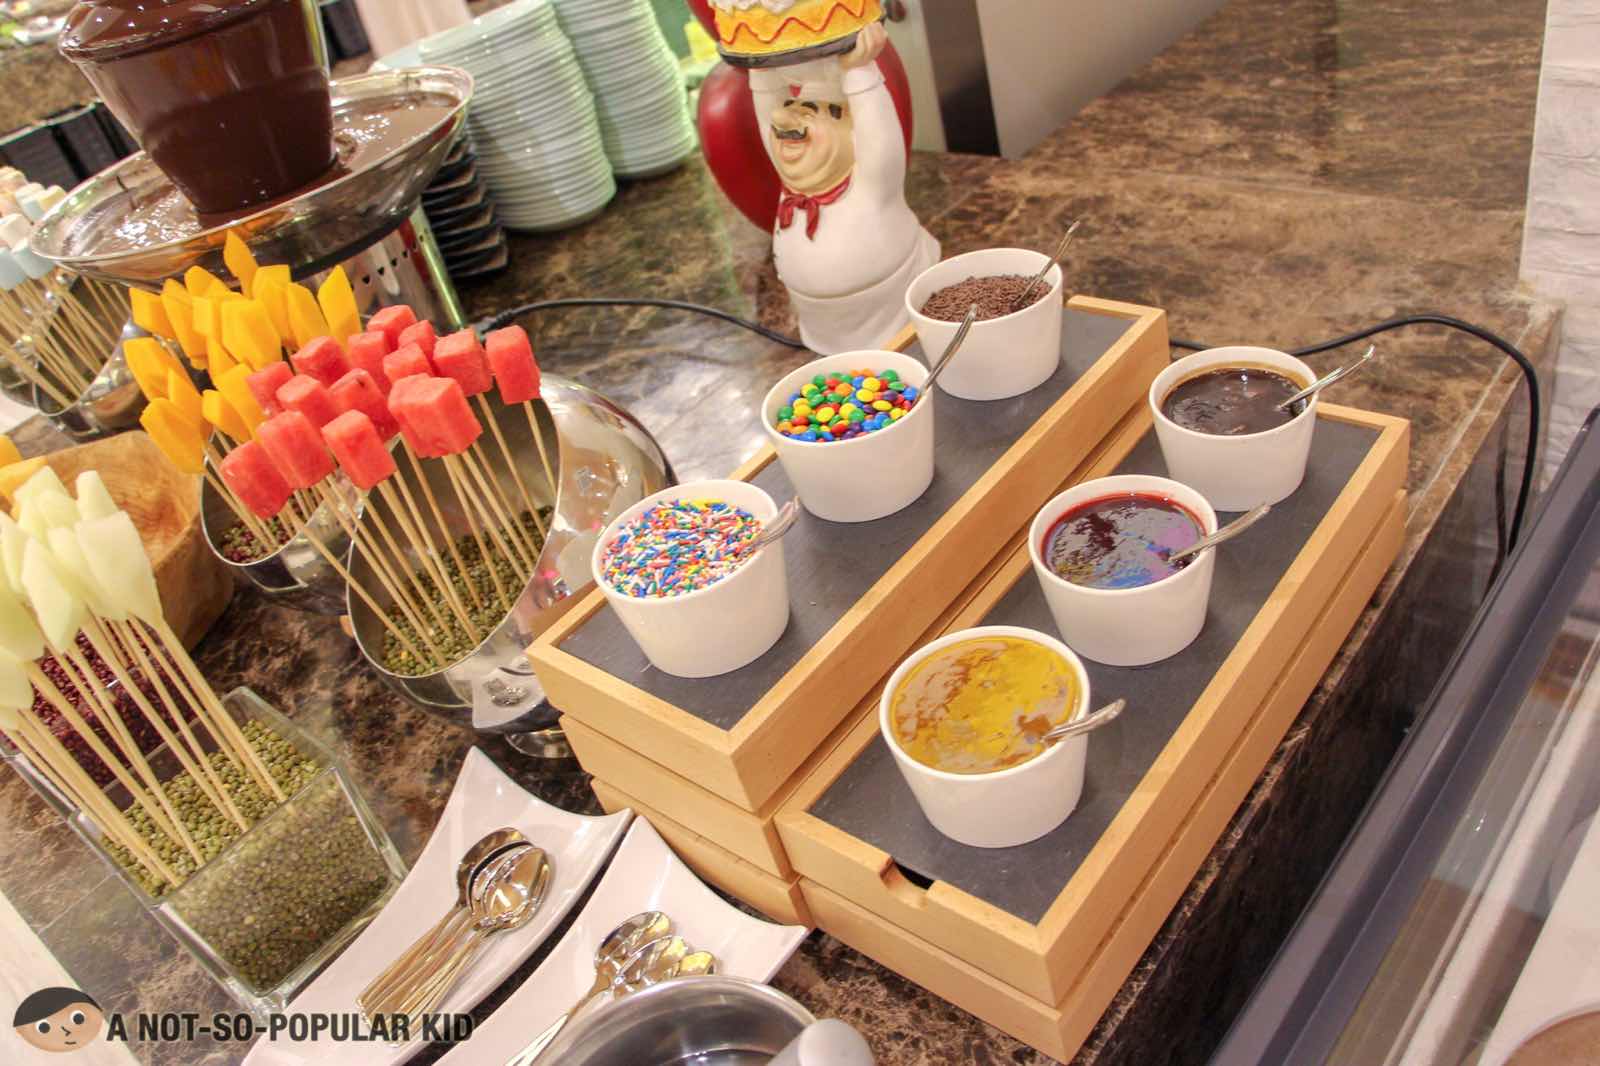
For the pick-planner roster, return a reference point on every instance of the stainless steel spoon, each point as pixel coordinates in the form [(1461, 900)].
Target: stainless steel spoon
[(1061, 250), (1227, 532), (1328, 379), (1087, 723), (657, 961), (619, 945), (511, 902), (774, 530), (476, 857), (950, 350)]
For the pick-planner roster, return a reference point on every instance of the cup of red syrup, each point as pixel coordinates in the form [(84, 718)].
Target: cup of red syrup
[(1100, 551)]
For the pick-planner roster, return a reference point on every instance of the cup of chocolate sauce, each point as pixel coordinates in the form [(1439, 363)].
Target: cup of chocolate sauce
[(1219, 431), (229, 97), (1100, 553)]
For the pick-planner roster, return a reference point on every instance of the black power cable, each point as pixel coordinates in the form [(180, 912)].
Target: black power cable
[(1530, 461)]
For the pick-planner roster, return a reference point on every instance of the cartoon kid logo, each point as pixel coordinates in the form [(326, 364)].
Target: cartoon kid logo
[(58, 1019)]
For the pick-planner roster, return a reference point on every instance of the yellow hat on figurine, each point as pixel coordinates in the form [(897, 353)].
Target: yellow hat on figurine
[(762, 33)]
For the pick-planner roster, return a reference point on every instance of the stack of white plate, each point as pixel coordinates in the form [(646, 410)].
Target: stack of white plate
[(638, 88), (532, 119)]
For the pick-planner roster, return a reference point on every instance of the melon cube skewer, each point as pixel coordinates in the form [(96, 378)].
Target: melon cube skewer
[(220, 413), (305, 317), (365, 351), (357, 391), (251, 476), (338, 305), (265, 383), (433, 413), (322, 358), (292, 442), (406, 361), (117, 555), (308, 396), (235, 388), (461, 358), (391, 322), (175, 435), (516, 372)]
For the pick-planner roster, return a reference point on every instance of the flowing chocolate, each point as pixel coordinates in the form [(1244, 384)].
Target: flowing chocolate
[(229, 97)]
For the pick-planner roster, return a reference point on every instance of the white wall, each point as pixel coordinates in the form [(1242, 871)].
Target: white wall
[(1561, 241), (1047, 59)]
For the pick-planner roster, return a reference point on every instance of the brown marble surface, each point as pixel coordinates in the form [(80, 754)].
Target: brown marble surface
[(1290, 171)]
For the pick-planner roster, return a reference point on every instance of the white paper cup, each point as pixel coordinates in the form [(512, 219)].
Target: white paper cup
[(869, 476), (1003, 356), (1127, 627), (1007, 807), (721, 627), (1236, 473)]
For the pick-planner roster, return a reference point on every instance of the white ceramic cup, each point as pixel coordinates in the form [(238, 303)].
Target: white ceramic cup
[(1003, 808), (1236, 473), (721, 627), (1003, 356), (1127, 627), (866, 477)]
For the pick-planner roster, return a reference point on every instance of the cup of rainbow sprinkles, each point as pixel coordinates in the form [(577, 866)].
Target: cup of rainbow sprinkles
[(678, 569)]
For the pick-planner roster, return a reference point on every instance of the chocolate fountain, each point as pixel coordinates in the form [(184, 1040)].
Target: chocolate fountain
[(243, 130)]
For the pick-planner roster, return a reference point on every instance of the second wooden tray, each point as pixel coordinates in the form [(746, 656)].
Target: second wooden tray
[(860, 593)]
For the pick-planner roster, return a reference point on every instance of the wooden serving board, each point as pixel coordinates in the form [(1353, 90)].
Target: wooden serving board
[(753, 835), (1140, 898), (861, 594), (1028, 916)]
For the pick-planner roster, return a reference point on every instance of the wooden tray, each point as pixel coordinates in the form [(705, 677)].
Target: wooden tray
[(753, 835), (1146, 897), (776, 897), (862, 593), (1030, 915)]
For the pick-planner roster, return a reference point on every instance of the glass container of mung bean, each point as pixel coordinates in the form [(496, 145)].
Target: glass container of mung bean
[(269, 905)]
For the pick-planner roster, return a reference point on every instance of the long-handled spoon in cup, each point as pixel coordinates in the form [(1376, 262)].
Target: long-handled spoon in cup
[(950, 350), (774, 530), (1021, 299), (1227, 532), (1088, 722), (1328, 379)]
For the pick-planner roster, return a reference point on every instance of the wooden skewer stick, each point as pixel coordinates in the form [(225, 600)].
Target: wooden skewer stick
[(400, 565), (74, 339), (246, 517), (511, 464), (95, 334), (302, 529), (52, 358), (397, 589), (45, 752), (157, 808), (490, 497), (190, 754), (221, 719), (29, 371), (105, 707), (417, 532), (544, 456), (427, 558), (438, 516), (129, 638), (470, 505)]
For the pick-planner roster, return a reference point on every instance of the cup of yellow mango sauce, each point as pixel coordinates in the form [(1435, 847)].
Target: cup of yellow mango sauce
[(961, 716)]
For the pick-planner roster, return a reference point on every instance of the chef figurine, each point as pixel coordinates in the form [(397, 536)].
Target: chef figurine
[(846, 244)]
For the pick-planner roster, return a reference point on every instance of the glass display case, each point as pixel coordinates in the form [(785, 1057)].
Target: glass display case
[(1461, 921)]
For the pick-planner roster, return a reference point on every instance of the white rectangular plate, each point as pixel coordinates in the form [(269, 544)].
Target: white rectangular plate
[(644, 876), (484, 799)]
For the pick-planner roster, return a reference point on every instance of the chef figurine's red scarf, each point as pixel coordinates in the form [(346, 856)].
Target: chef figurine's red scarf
[(811, 205)]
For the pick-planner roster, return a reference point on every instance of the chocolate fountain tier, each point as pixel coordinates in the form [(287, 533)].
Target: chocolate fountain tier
[(392, 130)]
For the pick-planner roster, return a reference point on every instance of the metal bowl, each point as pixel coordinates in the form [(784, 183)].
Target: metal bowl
[(605, 462), (703, 1021), (113, 401), (296, 575)]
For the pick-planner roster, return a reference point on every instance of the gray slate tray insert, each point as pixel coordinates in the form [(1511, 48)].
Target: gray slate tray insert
[(871, 801), (831, 564)]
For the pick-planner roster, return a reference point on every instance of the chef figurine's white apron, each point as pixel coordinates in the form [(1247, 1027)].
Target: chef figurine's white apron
[(846, 252)]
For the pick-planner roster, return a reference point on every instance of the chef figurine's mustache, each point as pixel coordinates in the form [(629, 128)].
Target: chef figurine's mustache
[(797, 134)]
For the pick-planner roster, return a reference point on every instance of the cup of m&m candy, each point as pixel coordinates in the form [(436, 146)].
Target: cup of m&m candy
[(677, 569), (854, 433), (1101, 551)]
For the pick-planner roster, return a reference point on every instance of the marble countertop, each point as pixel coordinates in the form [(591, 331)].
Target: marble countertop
[(1291, 170)]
